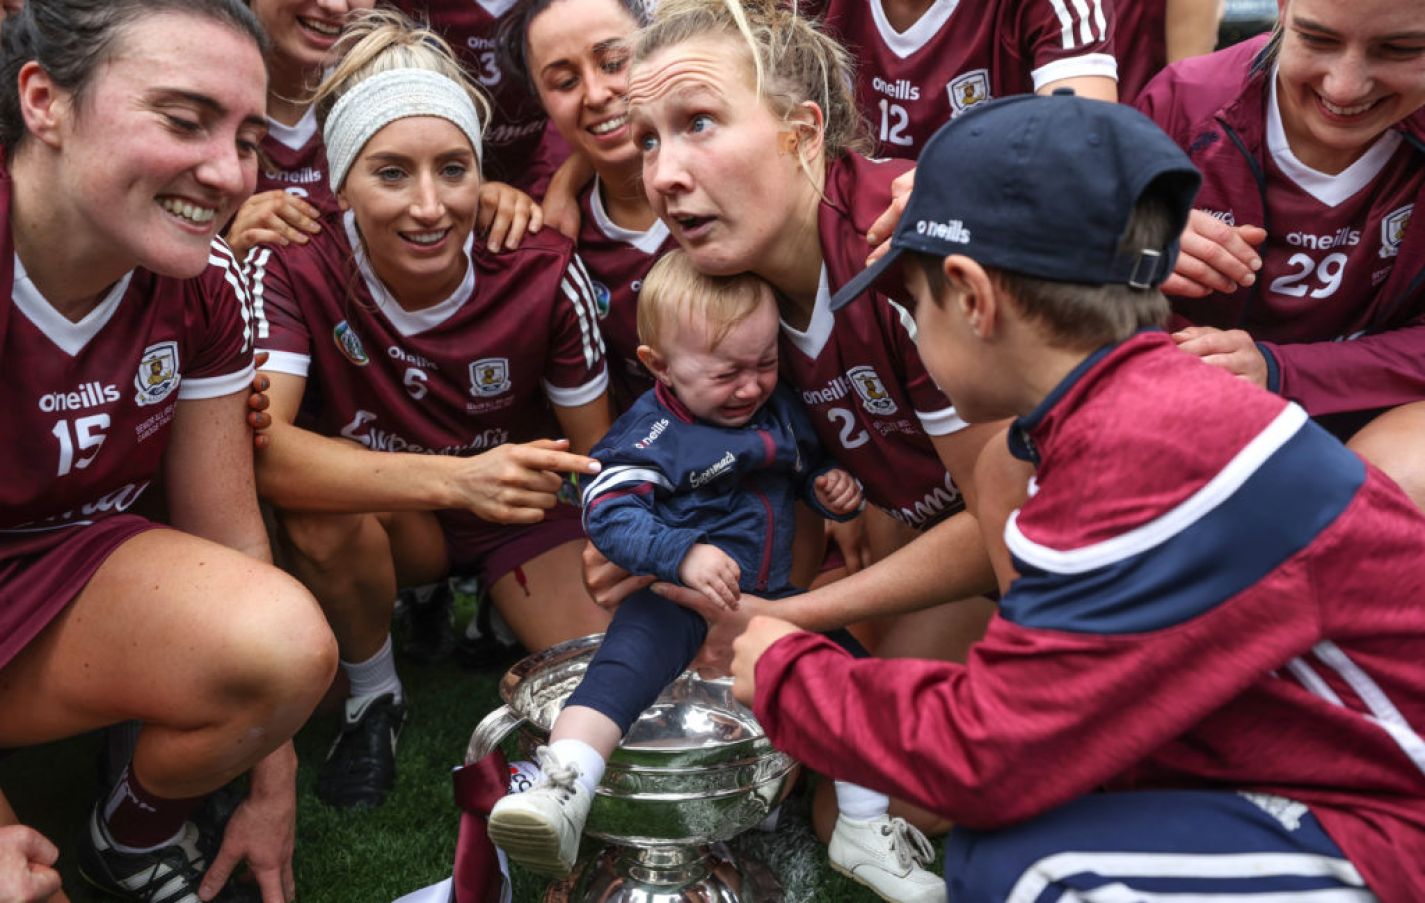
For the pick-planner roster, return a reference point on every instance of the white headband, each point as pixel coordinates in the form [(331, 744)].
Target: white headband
[(385, 97)]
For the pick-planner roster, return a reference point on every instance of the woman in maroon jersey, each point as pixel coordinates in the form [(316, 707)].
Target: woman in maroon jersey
[(1300, 271), (130, 132), (434, 358), (292, 190)]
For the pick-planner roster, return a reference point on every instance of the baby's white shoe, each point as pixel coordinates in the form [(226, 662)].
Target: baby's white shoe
[(889, 856), (540, 828)]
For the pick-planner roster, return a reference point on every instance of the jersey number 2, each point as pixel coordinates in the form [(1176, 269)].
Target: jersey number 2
[(846, 422)]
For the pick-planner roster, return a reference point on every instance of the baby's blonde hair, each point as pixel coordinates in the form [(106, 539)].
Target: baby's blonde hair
[(674, 292)]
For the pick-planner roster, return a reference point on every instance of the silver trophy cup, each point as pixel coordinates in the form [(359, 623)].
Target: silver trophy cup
[(694, 771)]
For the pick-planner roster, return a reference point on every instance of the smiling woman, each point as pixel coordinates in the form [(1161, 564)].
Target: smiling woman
[(445, 369), (129, 136), (1300, 269)]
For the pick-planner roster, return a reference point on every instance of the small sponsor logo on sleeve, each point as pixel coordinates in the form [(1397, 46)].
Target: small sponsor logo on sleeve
[(158, 374), (350, 344)]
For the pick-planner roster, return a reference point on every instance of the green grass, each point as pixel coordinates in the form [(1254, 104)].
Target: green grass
[(408, 843)]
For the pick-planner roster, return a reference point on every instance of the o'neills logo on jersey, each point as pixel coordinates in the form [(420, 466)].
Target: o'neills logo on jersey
[(967, 90), (900, 89), (868, 385), (1392, 230), (723, 465), (88, 395), (952, 231), (1344, 237), (653, 434), (304, 176), (490, 376), (158, 373), (350, 344)]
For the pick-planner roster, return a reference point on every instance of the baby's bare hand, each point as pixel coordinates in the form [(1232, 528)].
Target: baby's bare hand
[(712, 572), (838, 492)]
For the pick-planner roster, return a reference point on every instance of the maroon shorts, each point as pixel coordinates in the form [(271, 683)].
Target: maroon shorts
[(490, 551), (42, 574)]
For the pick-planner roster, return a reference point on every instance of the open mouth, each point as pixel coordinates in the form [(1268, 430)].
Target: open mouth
[(325, 29), (692, 226), (425, 239), (188, 212)]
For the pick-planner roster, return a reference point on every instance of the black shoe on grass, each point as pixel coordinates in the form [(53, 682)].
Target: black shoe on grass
[(360, 769)]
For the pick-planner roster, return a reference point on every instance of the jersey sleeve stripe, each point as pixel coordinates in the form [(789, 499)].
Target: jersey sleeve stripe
[(215, 386), (942, 422), (257, 270), (588, 294), (1190, 561), (221, 255), (1076, 25), (574, 396), (585, 327), (1245, 465), (1384, 712), (1089, 64), (287, 362), (620, 476)]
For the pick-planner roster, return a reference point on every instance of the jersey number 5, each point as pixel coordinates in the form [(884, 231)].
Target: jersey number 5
[(87, 433)]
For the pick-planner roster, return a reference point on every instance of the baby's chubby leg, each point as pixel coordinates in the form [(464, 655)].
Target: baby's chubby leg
[(649, 643)]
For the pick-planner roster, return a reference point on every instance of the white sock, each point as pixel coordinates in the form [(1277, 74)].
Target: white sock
[(583, 757), (376, 675), (860, 804)]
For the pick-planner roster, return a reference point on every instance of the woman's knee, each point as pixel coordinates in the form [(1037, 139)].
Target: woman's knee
[(328, 541), (275, 647), (1395, 443)]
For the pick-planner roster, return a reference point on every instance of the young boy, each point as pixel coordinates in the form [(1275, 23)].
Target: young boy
[(1217, 606), (698, 485)]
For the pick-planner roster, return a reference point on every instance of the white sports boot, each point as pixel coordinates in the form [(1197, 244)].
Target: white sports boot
[(540, 828), (888, 856)]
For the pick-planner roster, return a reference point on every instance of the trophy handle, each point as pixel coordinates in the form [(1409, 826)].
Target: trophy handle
[(493, 728)]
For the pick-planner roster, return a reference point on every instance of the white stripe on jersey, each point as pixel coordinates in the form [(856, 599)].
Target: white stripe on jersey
[(1100, 20), (907, 321), (1081, 8), (1080, 19), (221, 255), (1383, 711), (620, 476), (291, 362), (1169, 524), (1058, 866), (256, 272), (576, 288), (590, 301)]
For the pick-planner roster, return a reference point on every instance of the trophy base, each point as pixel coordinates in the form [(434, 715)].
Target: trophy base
[(695, 874)]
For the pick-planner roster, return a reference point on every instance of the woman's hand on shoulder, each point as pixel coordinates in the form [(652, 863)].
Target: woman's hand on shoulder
[(516, 484), (506, 215), (272, 217), (879, 235), (1215, 257), (1230, 349)]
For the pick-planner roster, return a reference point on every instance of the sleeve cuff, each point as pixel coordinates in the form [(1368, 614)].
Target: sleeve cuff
[(1274, 370), (287, 362), (215, 386), (574, 396)]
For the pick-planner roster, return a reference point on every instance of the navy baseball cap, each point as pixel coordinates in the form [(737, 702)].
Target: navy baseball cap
[(1042, 186)]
